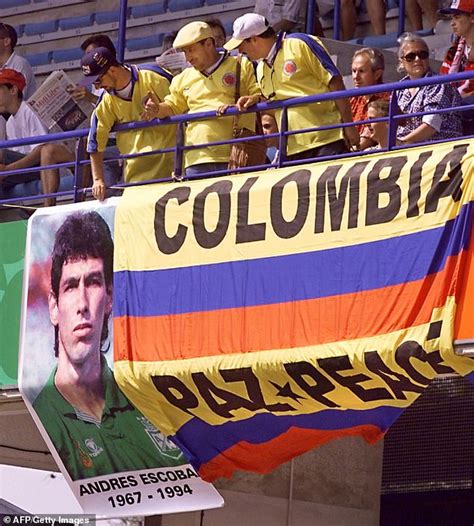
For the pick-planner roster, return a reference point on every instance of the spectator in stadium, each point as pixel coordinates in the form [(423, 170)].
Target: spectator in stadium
[(218, 29), (286, 15), (81, 92), (417, 8), (113, 170), (296, 66), (208, 85), (168, 41), (368, 65), (270, 126), (92, 425), (125, 87), (10, 59), (460, 56), (375, 9), (22, 124), (413, 56), (378, 130)]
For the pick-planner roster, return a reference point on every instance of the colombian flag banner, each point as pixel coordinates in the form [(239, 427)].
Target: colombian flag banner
[(258, 316)]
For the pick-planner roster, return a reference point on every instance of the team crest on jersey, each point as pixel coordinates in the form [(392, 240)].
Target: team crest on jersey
[(289, 68), (86, 460), (229, 79), (164, 446), (94, 449)]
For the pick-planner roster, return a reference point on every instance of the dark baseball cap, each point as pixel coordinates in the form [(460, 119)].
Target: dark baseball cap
[(96, 63)]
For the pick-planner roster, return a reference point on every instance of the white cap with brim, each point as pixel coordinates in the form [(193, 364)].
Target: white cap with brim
[(192, 33), (246, 26)]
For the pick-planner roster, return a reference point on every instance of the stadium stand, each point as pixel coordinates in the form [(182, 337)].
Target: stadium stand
[(52, 41)]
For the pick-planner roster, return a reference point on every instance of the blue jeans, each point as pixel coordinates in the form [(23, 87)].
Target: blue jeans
[(197, 169)]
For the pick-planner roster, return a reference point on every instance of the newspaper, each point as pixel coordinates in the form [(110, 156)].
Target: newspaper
[(55, 106), (172, 60)]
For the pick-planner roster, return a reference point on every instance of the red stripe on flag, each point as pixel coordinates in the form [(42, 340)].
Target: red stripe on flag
[(284, 325), (263, 458)]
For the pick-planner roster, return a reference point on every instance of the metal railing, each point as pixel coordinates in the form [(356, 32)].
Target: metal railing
[(77, 193)]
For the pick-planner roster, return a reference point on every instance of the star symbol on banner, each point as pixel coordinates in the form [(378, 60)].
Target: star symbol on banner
[(286, 391)]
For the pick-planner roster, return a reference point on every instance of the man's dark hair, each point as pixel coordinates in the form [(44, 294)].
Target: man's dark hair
[(82, 236), (215, 22), (268, 33), (100, 41), (6, 30)]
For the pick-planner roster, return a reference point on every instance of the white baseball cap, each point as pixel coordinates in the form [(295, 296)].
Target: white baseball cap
[(246, 26)]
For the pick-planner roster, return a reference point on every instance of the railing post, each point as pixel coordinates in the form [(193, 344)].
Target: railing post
[(336, 32), (392, 123), (310, 13), (79, 171), (401, 17), (179, 152), (283, 140), (122, 30)]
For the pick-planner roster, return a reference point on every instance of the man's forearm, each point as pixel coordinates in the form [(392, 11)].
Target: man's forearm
[(343, 105), (164, 110), (97, 165)]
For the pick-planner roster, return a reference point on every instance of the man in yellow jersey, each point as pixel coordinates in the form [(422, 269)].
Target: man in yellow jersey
[(297, 65), (125, 88), (206, 86)]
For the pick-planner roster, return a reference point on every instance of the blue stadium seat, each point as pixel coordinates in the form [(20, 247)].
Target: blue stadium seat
[(40, 28), (141, 11), (67, 55), (66, 182), (215, 2), (151, 41), (39, 59), (107, 17), (184, 5), (75, 21), (381, 41), (14, 3), (19, 30)]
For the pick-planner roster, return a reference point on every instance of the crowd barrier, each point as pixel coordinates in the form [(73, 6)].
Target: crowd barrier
[(77, 192)]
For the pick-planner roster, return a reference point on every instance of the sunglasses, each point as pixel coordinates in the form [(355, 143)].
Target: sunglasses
[(422, 55)]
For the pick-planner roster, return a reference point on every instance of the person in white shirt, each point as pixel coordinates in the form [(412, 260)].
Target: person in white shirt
[(24, 123), (11, 60)]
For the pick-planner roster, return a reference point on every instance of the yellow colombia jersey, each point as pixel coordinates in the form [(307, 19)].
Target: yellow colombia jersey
[(193, 91), (113, 110), (298, 70)]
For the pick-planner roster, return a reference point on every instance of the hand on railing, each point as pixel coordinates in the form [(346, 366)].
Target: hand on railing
[(246, 101), (98, 189), (223, 108)]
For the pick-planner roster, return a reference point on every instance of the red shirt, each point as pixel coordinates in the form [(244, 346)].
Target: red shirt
[(359, 107), (467, 86)]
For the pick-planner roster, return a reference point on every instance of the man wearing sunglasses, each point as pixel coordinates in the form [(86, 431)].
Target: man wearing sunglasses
[(125, 87), (297, 65), (11, 60)]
